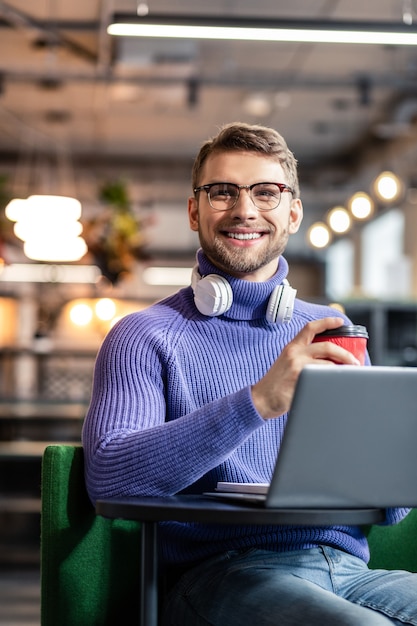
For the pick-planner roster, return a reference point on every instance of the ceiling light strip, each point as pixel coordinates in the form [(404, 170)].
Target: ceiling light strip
[(374, 33)]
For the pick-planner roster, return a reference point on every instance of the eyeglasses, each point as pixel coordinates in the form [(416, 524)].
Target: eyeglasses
[(224, 196)]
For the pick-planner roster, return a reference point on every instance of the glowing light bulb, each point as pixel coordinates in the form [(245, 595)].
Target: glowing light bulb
[(319, 235), (361, 205), (339, 220), (105, 309), (81, 314), (387, 186)]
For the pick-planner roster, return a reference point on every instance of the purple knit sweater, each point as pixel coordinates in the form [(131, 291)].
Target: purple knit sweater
[(171, 411)]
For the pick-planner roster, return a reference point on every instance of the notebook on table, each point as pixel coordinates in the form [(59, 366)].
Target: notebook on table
[(350, 442)]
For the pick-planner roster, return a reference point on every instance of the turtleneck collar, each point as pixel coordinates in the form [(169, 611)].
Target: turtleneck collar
[(250, 299)]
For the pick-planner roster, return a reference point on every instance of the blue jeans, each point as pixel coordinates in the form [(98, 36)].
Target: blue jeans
[(317, 587)]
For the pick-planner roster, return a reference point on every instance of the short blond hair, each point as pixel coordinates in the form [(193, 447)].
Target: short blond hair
[(239, 136)]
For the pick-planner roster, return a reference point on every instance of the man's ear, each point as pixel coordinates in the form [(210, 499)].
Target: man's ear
[(296, 216), (193, 213)]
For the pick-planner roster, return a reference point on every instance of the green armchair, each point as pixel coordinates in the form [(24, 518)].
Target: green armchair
[(90, 566), (395, 547)]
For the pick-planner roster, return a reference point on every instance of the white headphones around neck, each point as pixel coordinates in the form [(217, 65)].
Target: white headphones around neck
[(213, 296)]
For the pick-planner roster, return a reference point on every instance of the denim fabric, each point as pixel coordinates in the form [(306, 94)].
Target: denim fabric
[(317, 587)]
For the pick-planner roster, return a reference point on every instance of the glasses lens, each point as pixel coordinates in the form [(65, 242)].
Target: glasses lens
[(223, 196), (266, 196)]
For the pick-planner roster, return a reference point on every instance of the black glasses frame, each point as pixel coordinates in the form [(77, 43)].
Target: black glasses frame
[(207, 188)]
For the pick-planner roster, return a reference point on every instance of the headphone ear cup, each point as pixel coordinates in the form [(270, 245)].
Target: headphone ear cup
[(213, 295), (281, 304)]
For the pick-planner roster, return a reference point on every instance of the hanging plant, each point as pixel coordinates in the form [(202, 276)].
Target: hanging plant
[(115, 237)]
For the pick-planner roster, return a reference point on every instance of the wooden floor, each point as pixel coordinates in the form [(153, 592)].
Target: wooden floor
[(19, 597)]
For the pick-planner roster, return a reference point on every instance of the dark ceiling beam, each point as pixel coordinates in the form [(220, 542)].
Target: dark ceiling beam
[(49, 31), (44, 25), (10, 15), (266, 81), (7, 12)]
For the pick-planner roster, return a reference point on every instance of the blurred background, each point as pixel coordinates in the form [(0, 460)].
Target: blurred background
[(113, 123)]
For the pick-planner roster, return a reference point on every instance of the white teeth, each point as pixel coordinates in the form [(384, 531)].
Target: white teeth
[(244, 235)]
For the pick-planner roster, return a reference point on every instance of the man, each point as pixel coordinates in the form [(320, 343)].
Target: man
[(196, 389)]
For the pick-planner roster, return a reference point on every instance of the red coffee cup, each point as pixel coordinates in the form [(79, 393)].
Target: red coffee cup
[(353, 338)]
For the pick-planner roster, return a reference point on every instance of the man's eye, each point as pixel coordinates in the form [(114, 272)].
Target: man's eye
[(223, 192), (266, 192)]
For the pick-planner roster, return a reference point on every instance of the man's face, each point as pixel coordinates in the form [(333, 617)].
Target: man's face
[(244, 241)]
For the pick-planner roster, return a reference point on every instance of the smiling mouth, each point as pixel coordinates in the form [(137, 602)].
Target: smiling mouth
[(244, 236)]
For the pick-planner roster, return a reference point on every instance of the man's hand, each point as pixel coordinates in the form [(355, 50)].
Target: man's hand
[(272, 395)]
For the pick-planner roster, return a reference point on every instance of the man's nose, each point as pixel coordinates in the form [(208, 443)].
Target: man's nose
[(244, 207)]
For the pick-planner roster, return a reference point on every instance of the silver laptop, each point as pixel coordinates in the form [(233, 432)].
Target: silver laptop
[(350, 442)]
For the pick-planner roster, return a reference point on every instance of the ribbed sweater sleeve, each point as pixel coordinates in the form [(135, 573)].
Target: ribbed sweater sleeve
[(148, 430)]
